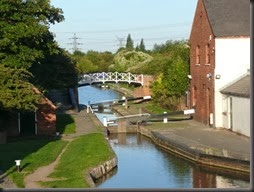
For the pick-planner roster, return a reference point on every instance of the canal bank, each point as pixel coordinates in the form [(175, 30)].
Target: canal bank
[(149, 128), (213, 149)]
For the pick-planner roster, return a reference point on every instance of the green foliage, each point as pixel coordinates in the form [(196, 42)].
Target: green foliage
[(86, 66), (172, 80), (93, 61), (137, 48), (155, 66), (130, 61), (129, 43), (142, 46), (27, 44), (155, 108), (24, 31), (55, 71), (16, 93), (65, 124)]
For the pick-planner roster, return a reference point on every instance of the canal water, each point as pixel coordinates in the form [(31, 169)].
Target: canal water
[(141, 164)]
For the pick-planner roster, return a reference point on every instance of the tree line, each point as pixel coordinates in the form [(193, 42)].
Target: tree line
[(168, 62), (31, 58)]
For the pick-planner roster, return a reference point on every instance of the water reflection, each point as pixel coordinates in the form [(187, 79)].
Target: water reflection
[(109, 175), (95, 94), (143, 165)]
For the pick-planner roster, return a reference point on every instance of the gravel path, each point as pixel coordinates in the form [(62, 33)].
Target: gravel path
[(5, 182), (42, 173), (86, 123)]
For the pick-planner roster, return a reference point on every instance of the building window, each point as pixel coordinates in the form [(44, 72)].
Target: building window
[(208, 53), (198, 54)]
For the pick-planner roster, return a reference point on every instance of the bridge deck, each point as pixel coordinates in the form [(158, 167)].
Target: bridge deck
[(93, 78)]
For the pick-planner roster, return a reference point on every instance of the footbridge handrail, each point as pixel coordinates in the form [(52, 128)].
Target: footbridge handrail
[(103, 77)]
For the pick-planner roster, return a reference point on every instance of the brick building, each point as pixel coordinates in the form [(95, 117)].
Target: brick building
[(41, 122), (219, 53), (145, 89)]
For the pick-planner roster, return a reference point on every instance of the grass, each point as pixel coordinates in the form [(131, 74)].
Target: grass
[(65, 124), (83, 153), (155, 108), (149, 106), (33, 154)]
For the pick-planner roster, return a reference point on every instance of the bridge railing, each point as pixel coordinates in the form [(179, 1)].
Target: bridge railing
[(116, 77)]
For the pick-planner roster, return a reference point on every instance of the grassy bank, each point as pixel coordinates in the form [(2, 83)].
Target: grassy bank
[(33, 154), (65, 124), (83, 153)]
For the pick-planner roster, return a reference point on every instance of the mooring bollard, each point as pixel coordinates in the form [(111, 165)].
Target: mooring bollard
[(165, 120), (18, 165)]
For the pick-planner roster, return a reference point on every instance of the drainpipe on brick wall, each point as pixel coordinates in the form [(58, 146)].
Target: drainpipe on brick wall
[(19, 122), (35, 123)]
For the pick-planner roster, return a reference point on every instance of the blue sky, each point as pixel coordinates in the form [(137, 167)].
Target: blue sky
[(102, 25)]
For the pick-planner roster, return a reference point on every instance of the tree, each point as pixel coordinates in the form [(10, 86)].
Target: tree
[(142, 46), (130, 61), (24, 33), (93, 61), (129, 43), (57, 70), (16, 93), (172, 81), (137, 48)]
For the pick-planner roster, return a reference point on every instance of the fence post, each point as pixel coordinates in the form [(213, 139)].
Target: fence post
[(165, 120), (105, 124)]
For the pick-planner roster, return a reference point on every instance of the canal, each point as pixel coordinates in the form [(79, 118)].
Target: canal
[(141, 164)]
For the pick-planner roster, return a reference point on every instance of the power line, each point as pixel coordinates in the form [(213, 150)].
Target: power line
[(151, 27)]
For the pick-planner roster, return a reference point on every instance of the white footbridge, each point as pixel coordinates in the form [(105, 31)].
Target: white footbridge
[(116, 77)]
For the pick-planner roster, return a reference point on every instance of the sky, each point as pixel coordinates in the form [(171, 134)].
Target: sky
[(103, 25)]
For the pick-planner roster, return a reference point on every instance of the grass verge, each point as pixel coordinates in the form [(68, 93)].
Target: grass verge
[(82, 153), (65, 124), (33, 154)]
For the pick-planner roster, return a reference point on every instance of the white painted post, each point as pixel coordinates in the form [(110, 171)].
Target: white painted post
[(87, 108), (123, 97), (105, 124), (18, 165), (126, 103), (165, 120)]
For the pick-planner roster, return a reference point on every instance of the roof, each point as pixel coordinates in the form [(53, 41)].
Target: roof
[(229, 17), (239, 88)]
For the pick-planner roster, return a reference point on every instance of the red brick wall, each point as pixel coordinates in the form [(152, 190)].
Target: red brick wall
[(201, 34), (46, 118), (145, 89)]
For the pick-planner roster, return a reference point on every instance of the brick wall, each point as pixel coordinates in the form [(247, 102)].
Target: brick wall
[(201, 87), (46, 118), (145, 89)]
